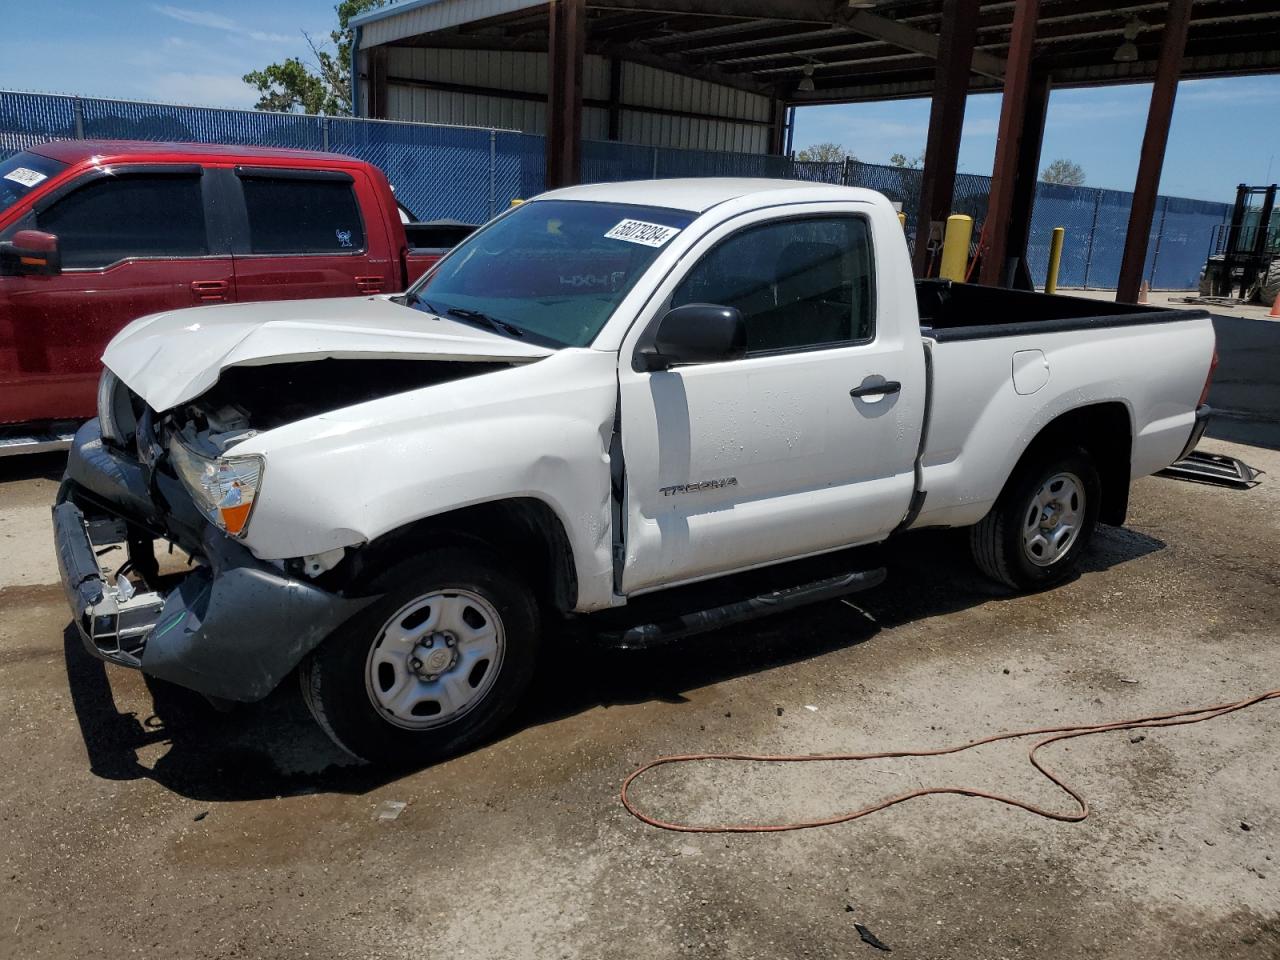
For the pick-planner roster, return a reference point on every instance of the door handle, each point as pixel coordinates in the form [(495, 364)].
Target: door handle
[(210, 291), (876, 389)]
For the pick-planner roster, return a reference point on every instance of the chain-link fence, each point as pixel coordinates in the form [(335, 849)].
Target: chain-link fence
[(469, 173), (1095, 221)]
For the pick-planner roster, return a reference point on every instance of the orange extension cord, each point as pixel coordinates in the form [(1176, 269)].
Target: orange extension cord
[(1057, 733)]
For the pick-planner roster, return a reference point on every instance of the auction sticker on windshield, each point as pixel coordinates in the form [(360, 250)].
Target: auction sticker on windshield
[(637, 231), (24, 176)]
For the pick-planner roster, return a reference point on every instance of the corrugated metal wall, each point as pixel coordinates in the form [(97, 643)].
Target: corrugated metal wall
[(664, 96)]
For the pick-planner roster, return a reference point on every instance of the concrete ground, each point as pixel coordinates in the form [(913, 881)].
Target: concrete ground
[(135, 823)]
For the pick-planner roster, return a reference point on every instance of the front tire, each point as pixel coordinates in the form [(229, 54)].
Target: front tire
[(1036, 532), (432, 668)]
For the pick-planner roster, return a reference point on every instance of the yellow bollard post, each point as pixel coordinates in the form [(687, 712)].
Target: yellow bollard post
[(955, 247), (902, 219), (1055, 260)]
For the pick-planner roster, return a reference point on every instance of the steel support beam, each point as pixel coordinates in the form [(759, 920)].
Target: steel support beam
[(1024, 187), (378, 106), (566, 48), (1004, 175), (777, 126), (946, 118), (1154, 141), (913, 38), (615, 99)]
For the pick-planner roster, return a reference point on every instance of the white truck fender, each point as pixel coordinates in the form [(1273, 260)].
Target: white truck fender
[(540, 431)]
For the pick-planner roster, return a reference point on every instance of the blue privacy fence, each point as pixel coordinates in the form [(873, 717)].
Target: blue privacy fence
[(469, 173)]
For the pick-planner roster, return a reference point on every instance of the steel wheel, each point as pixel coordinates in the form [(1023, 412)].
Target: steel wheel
[(1053, 519), (435, 659)]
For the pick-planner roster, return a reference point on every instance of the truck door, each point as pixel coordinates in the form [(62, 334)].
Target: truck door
[(133, 240), (785, 452), (303, 236)]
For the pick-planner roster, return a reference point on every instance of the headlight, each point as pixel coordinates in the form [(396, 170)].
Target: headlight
[(115, 411), (223, 489)]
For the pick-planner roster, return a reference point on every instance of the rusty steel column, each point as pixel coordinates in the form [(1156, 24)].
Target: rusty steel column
[(1154, 141), (958, 31), (566, 49), (1024, 187), (1004, 175)]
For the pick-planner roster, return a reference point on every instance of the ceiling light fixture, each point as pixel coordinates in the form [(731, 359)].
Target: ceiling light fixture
[(862, 4), (806, 82), (1127, 52)]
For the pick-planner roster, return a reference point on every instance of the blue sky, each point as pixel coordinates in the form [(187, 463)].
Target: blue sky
[(189, 51), (183, 52)]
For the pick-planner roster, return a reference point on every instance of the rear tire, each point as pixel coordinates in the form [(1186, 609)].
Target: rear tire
[(1269, 286), (432, 668), (1036, 532)]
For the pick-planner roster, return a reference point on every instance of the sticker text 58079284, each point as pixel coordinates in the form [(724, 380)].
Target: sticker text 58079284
[(637, 231)]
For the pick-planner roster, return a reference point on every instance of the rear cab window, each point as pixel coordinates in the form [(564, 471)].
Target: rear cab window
[(293, 213)]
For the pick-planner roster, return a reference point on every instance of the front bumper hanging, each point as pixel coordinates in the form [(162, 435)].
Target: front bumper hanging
[(232, 628)]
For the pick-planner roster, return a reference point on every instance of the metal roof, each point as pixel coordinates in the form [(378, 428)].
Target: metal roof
[(885, 52)]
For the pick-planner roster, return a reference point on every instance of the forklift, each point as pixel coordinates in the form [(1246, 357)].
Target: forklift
[(1244, 254)]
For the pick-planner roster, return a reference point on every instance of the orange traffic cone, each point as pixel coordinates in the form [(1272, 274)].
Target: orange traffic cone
[(1143, 291), (1275, 308)]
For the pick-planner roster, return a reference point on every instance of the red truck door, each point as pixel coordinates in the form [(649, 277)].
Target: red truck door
[(303, 235), (133, 240)]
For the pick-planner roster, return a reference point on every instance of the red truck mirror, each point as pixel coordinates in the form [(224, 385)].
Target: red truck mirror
[(31, 252)]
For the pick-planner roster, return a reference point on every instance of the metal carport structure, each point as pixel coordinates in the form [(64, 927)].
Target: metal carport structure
[(726, 74)]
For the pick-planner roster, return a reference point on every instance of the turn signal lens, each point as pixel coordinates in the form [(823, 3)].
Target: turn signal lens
[(224, 489)]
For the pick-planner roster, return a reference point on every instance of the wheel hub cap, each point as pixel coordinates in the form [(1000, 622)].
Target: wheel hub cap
[(1053, 519), (435, 659)]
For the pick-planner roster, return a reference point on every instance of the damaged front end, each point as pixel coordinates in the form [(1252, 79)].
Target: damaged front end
[(231, 626)]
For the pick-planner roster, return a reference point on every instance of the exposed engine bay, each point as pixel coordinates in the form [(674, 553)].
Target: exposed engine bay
[(248, 400)]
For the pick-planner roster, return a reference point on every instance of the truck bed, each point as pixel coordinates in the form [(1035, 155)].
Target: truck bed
[(1004, 363), (965, 311)]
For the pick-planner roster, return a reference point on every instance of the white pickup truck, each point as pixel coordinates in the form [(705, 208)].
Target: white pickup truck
[(606, 392)]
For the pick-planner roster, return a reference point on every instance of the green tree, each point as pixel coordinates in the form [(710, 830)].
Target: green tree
[(905, 162), (324, 84), (824, 153), (1064, 172)]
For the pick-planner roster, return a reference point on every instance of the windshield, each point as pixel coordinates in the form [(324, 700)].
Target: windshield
[(552, 270), (22, 173)]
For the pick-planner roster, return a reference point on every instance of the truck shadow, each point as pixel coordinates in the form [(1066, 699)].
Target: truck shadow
[(273, 748)]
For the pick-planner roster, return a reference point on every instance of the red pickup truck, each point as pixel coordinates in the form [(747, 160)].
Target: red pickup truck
[(94, 234)]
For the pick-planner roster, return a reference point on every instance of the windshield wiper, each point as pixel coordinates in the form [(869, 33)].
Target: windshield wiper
[(413, 297), (493, 323)]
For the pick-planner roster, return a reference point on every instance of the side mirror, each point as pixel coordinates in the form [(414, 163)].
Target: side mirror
[(31, 252), (696, 333)]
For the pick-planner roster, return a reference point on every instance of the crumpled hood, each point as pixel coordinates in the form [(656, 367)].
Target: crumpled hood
[(169, 358)]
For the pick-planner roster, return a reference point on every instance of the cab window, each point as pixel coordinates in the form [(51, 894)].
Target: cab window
[(801, 284), (116, 218)]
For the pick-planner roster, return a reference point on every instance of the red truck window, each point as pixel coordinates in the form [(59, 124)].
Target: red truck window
[(115, 218), (297, 215)]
